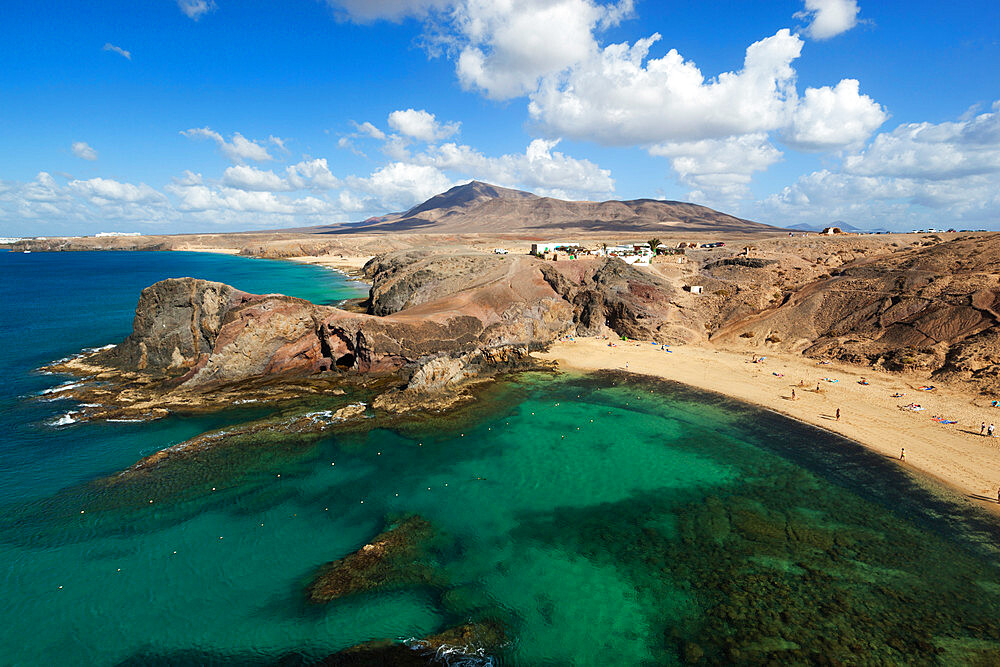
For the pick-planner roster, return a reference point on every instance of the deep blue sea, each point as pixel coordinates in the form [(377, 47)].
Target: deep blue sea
[(600, 520)]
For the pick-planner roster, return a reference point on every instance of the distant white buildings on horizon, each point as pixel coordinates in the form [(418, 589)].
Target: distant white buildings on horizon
[(106, 234)]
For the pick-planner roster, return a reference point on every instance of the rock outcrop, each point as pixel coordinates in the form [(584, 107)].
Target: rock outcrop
[(934, 308), (199, 337), (389, 560), (608, 294), (468, 644)]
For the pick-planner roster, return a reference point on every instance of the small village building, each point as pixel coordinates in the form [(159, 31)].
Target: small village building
[(552, 246)]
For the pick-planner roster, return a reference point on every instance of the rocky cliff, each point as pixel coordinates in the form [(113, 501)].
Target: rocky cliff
[(934, 307)]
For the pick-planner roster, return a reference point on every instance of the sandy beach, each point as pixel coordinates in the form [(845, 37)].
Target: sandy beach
[(351, 265), (954, 454), (217, 251), (348, 264)]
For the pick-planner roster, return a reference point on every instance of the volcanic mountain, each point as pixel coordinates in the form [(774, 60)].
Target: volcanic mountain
[(478, 207)]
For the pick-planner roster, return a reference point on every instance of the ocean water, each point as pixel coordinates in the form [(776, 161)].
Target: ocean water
[(600, 520)]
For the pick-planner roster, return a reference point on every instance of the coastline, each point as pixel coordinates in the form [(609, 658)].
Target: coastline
[(349, 265), (954, 455)]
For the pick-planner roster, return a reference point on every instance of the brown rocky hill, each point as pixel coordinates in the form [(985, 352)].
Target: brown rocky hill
[(434, 322), (933, 307), (488, 209)]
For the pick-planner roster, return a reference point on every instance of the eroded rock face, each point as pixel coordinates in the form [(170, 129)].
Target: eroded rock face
[(933, 308), (405, 279), (607, 293), (204, 333), (177, 322)]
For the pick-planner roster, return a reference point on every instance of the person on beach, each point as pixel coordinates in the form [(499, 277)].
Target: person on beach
[(982, 429), (989, 431), (793, 394), (838, 414), (902, 454)]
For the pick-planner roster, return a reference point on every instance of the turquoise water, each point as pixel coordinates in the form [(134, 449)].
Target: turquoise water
[(600, 519)]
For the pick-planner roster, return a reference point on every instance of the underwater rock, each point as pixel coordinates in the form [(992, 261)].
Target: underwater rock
[(303, 426), (389, 560), (467, 644)]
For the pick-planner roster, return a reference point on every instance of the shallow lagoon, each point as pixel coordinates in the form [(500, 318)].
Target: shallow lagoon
[(600, 519)]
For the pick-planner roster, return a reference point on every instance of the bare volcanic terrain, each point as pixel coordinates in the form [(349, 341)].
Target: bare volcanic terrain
[(932, 306), (482, 208)]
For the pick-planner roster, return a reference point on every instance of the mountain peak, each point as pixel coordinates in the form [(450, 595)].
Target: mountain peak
[(466, 194)]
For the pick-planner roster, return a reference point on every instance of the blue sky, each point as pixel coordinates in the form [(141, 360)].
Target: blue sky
[(193, 115)]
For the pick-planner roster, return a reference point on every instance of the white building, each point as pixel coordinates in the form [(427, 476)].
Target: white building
[(552, 246)]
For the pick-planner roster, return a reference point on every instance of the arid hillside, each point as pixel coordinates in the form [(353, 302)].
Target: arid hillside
[(931, 305), (488, 209)]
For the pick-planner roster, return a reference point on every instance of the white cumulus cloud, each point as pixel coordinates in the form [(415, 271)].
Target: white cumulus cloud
[(195, 9), (420, 125), (237, 149), (504, 48), (625, 94), (829, 18), (622, 98), (370, 130), (834, 118), (539, 169), (917, 175), (108, 46), (108, 191), (82, 150), (719, 170), (400, 185)]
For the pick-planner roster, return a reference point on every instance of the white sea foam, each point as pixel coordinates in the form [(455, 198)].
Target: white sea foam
[(82, 353), (61, 388), (66, 419), (326, 416), (124, 421), (454, 656), (246, 400)]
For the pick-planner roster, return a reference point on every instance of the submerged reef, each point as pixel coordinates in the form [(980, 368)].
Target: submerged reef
[(468, 644), (779, 579), (389, 560)]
